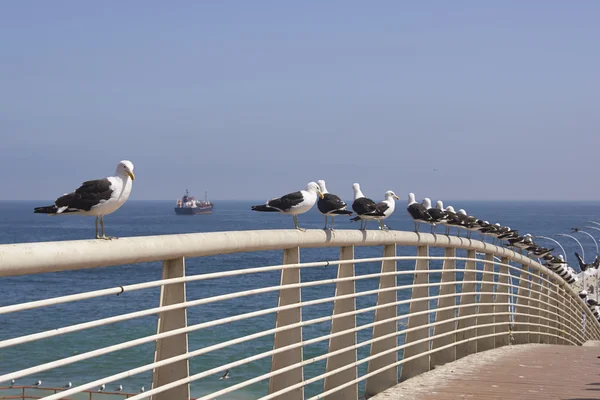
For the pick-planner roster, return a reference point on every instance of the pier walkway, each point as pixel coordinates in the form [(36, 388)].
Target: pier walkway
[(523, 372)]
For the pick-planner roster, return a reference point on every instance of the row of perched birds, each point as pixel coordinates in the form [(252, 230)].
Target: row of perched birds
[(331, 205)]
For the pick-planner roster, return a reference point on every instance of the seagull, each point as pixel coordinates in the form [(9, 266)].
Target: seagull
[(386, 207), (454, 219), (293, 203), (101, 388), (12, 382), (364, 207), (330, 205), (470, 222), (38, 384), (119, 388), (68, 385), (582, 266), (418, 212), (438, 214), (142, 390), (225, 375), (98, 197)]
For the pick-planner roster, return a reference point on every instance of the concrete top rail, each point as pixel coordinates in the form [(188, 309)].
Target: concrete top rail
[(40, 257)]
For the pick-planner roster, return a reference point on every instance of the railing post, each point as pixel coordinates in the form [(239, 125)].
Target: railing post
[(174, 345), (388, 378), (544, 315), (534, 310), (448, 276), (421, 277), (502, 304), (486, 295), (522, 321), (469, 286), (289, 276), (343, 341), (562, 314), (553, 311)]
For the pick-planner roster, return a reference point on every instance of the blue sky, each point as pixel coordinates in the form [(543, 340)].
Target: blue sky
[(255, 99)]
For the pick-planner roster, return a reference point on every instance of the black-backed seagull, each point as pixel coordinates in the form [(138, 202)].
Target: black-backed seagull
[(225, 375), (98, 197), (364, 207), (330, 205), (418, 212), (293, 204), (438, 214), (454, 219), (386, 207)]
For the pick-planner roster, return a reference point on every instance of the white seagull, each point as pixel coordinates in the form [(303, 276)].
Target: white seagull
[(102, 387), (68, 385), (293, 203), (364, 207), (97, 198), (119, 388), (38, 383)]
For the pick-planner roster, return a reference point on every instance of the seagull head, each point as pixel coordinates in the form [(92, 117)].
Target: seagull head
[(357, 193), (125, 168), (461, 211), (314, 188), (322, 186), (450, 209), (426, 203), (391, 195), (411, 198), (440, 205)]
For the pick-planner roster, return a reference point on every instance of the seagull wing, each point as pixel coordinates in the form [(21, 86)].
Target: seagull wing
[(86, 196)]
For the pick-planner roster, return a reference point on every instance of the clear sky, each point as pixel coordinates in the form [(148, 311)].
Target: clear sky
[(253, 99)]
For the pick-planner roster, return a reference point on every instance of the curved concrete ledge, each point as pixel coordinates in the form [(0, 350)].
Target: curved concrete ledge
[(31, 258)]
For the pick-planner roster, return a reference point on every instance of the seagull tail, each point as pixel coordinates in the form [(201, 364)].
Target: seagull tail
[(46, 210), (355, 218), (264, 208), (342, 212)]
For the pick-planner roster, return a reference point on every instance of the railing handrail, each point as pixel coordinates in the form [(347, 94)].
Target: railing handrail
[(41, 257)]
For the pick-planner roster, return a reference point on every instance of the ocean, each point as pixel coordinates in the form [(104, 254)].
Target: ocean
[(18, 224)]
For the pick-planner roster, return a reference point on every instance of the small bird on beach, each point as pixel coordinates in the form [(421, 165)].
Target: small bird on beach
[(97, 198)]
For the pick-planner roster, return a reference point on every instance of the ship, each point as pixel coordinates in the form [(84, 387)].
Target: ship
[(188, 205)]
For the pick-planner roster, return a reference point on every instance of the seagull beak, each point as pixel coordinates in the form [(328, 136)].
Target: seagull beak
[(396, 197), (131, 175), (320, 194)]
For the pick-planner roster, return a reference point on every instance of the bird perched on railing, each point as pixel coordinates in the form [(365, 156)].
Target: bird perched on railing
[(119, 388), (38, 383), (540, 252), (453, 219), (330, 205), (437, 214), (101, 388), (293, 204), (469, 222), (68, 385), (97, 198), (225, 375), (383, 209), (418, 212), (364, 207)]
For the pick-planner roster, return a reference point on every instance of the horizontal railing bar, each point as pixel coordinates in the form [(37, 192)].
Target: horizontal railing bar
[(31, 258), (245, 271), (138, 314)]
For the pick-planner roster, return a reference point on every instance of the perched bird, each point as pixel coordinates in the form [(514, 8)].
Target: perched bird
[(225, 375), (97, 197), (68, 385), (521, 242), (119, 388), (38, 384), (364, 207), (330, 205), (386, 207), (582, 266), (469, 222), (102, 387), (12, 382), (438, 214), (453, 219), (142, 390), (418, 212), (293, 204), (540, 252)]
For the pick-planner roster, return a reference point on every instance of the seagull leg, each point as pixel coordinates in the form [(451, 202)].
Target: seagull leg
[(97, 236), (296, 223), (325, 227), (102, 226), (332, 222), (381, 225)]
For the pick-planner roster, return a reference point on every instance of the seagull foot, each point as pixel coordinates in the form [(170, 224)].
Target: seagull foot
[(103, 237), (301, 229)]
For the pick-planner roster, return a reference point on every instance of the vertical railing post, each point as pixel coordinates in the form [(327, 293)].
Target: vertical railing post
[(522, 321), (347, 340), (469, 286), (486, 296), (563, 323), (448, 276), (502, 304), (421, 277), (544, 315), (174, 345), (388, 378), (553, 298), (289, 276), (534, 310)]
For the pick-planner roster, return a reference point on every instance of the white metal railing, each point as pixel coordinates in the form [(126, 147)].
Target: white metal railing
[(504, 298)]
